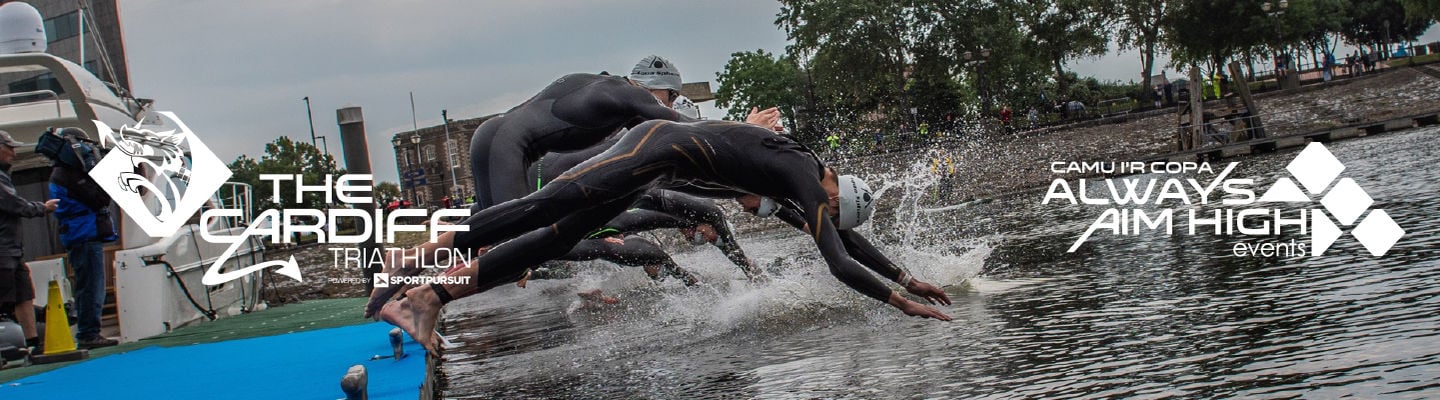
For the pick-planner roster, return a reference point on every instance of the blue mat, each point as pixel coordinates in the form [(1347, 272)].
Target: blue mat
[(303, 365)]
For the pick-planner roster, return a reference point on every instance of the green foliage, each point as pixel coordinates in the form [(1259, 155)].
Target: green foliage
[(864, 65), (1063, 30), (1382, 21), (1422, 10), (286, 157), (1140, 24), (757, 79), (386, 191)]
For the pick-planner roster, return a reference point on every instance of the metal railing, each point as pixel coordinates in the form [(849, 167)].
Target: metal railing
[(1294, 120), (54, 96)]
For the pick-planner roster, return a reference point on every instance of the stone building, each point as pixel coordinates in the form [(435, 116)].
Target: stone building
[(434, 162)]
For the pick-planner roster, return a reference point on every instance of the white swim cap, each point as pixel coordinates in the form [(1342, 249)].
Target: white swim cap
[(685, 107), (654, 72), (856, 201)]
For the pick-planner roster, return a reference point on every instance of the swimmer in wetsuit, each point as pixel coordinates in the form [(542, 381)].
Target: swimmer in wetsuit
[(699, 220), (713, 159), (574, 112)]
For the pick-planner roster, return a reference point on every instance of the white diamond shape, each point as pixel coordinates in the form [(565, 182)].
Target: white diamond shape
[(1347, 201), (1322, 232), (1378, 232), (115, 172), (1285, 190), (1315, 167)]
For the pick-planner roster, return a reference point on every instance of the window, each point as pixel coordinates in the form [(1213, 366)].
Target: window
[(62, 27), (44, 81), (430, 153)]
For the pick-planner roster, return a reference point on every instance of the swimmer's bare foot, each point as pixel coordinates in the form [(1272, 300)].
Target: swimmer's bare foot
[(424, 312), (380, 295), (523, 279), (398, 313)]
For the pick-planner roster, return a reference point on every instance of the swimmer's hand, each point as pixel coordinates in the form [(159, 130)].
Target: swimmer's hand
[(915, 309), (930, 293), (768, 118)]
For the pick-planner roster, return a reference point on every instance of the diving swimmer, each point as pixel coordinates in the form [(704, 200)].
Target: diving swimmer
[(710, 158)]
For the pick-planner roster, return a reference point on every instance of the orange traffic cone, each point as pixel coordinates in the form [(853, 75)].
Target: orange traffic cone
[(59, 342)]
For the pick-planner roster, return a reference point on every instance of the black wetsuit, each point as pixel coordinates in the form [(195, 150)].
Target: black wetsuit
[(656, 209), (708, 158), (574, 112), (856, 245)]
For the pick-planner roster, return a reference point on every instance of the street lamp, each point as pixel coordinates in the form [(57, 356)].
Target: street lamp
[(311, 118), (1279, 40), (400, 154), (979, 64), (415, 140), (450, 157)]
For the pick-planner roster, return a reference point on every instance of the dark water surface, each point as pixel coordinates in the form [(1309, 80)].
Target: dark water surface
[(1143, 316)]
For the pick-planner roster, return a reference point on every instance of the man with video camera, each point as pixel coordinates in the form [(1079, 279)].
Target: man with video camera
[(85, 225)]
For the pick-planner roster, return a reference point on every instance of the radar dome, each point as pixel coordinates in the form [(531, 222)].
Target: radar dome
[(21, 29)]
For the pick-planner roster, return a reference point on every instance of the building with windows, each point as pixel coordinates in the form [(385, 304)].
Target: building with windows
[(93, 41), (434, 163)]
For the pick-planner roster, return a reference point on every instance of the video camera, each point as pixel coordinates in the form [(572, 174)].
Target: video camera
[(68, 146)]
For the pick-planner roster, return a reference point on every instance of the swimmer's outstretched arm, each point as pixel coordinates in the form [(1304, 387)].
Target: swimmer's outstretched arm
[(861, 250), (866, 254), (846, 269)]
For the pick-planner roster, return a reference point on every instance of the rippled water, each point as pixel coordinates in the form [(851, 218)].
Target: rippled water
[(1125, 316)]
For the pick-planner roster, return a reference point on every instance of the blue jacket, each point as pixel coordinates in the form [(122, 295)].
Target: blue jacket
[(82, 211)]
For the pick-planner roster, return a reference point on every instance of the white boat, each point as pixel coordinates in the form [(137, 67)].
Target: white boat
[(156, 280)]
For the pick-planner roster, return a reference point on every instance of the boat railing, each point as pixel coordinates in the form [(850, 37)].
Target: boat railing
[(55, 97), (235, 195)]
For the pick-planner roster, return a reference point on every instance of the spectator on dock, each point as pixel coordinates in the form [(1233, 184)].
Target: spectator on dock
[(85, 226), (1329, 66), (1075, 109), (17, 294), (1281, 68)]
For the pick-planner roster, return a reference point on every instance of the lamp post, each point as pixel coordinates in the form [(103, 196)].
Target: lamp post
[(1279, 10), (324, 143), (450, 157), (415, 140), (310, 118), (399, 155)]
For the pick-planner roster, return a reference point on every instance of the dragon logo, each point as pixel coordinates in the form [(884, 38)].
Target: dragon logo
[(160, 179)]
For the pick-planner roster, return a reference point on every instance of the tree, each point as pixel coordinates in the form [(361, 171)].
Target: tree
[(1140, 29), (758, 79), (386, 191), (286, 157), (1212, 32), (855, 53), (1381, 22), (1424, 10), (1063, 30)]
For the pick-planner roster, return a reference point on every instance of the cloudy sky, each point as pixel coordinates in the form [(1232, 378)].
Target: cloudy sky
[(236, 71)]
